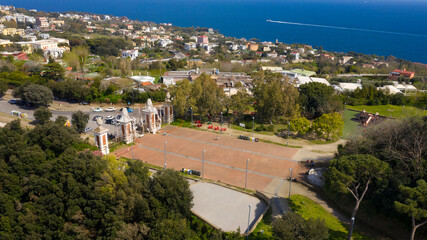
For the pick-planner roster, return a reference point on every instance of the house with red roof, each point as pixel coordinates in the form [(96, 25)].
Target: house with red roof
[(395, 74)]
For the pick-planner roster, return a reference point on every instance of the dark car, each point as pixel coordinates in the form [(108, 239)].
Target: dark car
[(87, 129), (96, 117), (84, 103), (110, 121), (13, 101)]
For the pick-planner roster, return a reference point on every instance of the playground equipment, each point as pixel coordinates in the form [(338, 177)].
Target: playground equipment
[(366, 118), (248, 138), (190, 172), (19, 114)]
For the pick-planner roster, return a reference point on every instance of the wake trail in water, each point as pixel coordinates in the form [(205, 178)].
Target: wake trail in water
[(348, 28)]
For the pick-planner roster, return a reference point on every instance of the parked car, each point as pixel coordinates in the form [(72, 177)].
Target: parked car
[(87, 129), (13, 101), (119, 117), (109, 117), (84, 103), (111, 121), (96, 117), (127, 108), (110, 109), (98, 109)]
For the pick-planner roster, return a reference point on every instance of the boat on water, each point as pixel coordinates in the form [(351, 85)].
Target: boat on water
[(269, 20)]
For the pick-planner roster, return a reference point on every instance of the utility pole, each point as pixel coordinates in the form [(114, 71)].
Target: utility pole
[(246, 178), (290, 183), (253, 126), (165, 154), (203, 164)]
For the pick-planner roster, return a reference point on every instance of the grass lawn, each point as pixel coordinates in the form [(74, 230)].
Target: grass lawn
[(263, 230), (350, 126), (307, 208), (391, 110)]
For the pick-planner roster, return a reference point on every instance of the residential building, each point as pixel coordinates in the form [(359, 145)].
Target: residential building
[(12, 31), (42, 22), (252, 46), (16, 55), (202, 39), (304, 73), (5, 42), (132, 54), (395, 74), (296, 55), (348, 86)]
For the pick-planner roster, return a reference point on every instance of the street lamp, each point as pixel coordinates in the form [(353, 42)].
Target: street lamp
[(290, 183), (222, 121), (249, 220), (246, 177), (351, 228), (203, 164), (165, 154), (289, 126), (191, 109), (253, 126)]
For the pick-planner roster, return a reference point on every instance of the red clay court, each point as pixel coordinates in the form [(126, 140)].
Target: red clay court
[(225, 158)]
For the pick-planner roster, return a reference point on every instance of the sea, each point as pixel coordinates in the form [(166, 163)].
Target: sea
[(380, 27)]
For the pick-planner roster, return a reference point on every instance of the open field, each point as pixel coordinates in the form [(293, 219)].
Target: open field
[(350, 126), (307, 208), (224, 160), (391, 110)]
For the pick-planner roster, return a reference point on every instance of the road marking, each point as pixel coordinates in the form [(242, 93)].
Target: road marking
[(233, 148), (210, 162)]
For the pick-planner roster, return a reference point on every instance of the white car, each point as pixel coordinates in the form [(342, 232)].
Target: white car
[(110, 109), (109, 117), (98, 109)]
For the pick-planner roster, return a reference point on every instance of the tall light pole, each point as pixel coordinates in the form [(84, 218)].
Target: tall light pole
[(203, 164), (246, 177), (289, 127), (249, 221), (351, 228), (165, 154), (401, 116), (290, 182), (253, 126), (191, 109)]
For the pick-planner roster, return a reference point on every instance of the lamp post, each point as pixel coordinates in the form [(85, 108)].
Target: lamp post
[(249, 221), (246, 177), (290, 182), (191, 109), (203, 164), (401, 116), (253, 126), (221, 119), (289, 126), (165, 154), (351, 228)]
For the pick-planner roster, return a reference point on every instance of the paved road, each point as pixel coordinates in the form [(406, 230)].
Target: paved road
[(7, 108)]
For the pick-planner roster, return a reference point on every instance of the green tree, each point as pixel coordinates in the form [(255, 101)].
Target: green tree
[(79, 120), (181, 97), (293, 227), (240, 102), (42, 115), (207, 96), (300, 125), (328, 126), (3, 87), (53, 70), (274, 96), (34, 94), (414, 204), (353, 174), (318, 99)]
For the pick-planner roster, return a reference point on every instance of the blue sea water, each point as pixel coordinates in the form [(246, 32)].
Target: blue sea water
[(407, 19)]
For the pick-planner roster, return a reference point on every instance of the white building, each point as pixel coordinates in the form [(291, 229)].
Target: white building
[(349, 86), (132, 54), (141, 79), (190, 46)]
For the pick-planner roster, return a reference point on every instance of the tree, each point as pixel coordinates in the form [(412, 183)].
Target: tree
[(42, 115), (53, 70), (206, 95), (240, 102), (3, 87), (329, 126), (353, 174), (79, 120), (274, 96), (318, 99), (181, 97), (300, 125), (34, 94), (293, 227), (414, 204)]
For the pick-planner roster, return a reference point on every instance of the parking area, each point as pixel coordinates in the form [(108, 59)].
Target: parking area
[(225, 208), (224, 160)]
